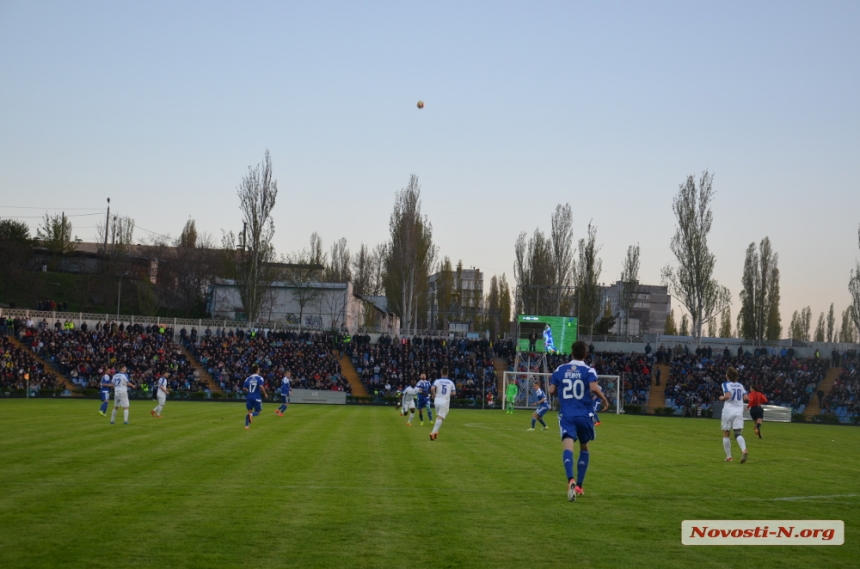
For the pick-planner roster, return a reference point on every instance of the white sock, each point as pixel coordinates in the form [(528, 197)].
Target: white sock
[(727, 444), (411, 414), (158, 409), (125, 415), (113, 415), (742, 443), (437, 425)]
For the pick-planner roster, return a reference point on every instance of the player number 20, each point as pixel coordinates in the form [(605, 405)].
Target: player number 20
[(576, 387)]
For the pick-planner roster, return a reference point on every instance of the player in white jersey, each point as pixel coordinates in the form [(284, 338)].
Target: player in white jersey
[(407, 401), (161, 391), (441, 390), (733, 396), (120, 394)]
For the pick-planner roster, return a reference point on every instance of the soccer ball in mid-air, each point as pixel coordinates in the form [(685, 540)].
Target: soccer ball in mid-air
[(420, 104)]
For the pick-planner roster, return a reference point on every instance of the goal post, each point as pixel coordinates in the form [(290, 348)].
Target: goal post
[(527, 381)]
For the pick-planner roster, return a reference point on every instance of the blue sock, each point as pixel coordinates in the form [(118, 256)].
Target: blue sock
[(103, 408), (581, 467), (533, 422), (541, 422), (429, 414), (256, 413), (567, 457), (247, 420)]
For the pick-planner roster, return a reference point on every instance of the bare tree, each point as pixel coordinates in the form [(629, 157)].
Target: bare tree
[(185, 269), (586, 276), (670, 329), (562, 248), (55, 234), (726, 323), (848, 333), (759, 280), (819, 329), (409, 256), (361, 270), (854, 289), (339, 269), (774, 318), (257, 195), (303, 275), (629, 284), (534, 274), (692, 282)]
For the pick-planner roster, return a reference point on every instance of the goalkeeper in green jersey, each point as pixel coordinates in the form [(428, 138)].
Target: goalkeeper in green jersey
[(510, 396)]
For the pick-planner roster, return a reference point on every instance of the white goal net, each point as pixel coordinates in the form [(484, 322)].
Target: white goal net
[(527, 384)]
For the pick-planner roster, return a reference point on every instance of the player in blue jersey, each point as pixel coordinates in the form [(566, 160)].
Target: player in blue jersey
[(597, 404), (548, 343), (575, 383), (104, 392), (542, 406), (285, 394), (424, 398), (256, 390)]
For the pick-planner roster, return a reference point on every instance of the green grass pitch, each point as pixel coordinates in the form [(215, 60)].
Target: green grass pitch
[(334, 486)]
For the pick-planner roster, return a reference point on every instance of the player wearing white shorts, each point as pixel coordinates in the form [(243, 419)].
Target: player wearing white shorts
[(734, 396), (442, 390), (120, 394), (161, 392), (407, 401)]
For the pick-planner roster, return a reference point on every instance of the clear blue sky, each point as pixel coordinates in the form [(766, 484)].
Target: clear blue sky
[(609, 106)]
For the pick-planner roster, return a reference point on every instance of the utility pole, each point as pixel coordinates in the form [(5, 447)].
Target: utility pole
[(107, 227)]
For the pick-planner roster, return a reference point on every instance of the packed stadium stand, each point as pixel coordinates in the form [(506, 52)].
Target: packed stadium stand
[(229, 356)]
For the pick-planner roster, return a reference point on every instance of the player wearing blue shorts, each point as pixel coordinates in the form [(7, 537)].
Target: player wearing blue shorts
[(285, 394), (424, 398), (542, 407), (597, 405), (256, 390), (104, 392), (575, 383)]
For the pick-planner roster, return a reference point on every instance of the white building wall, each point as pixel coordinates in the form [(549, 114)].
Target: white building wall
[(332, 306)]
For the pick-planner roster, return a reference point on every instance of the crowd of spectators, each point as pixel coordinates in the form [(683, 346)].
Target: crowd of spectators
[(229, 357), (696, 380), (85, 353), (844, 398), (20, 370), (389, 365)]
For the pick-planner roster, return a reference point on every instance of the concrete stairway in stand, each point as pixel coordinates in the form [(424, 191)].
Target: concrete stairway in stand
[(657, 393), (348, 371), (49, 367), (214, 387), (826, 385)]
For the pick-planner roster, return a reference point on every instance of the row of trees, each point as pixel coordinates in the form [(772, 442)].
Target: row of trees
[(554, 274)]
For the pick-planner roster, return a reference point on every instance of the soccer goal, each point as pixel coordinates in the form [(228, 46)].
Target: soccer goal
[(527, 382)]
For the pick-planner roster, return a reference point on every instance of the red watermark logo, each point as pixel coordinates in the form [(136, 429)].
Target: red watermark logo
[(762, 532)]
